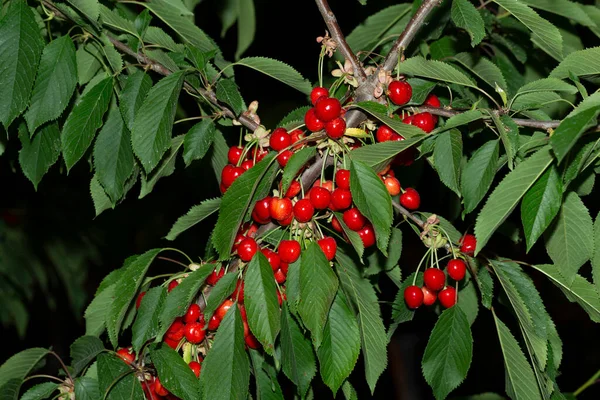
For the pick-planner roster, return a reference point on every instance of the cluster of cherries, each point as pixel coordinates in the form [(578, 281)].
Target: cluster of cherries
[(400, 93), (327, 114), (434, 280)]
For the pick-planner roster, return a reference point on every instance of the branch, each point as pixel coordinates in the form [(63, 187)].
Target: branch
[(338, 36), (408, 215)]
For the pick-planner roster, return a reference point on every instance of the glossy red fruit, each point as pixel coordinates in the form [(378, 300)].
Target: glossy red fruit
[(138, 301), (284, 268), (247, 249), (392, 185), (296, 135), (284, 157), (235, 154), (126, 354), (251, 341), (230, 174), (354, 219), (434, 279), (317, 93), (280, 276), (171, 343), (447, 297), (335, 128), (336, 225), (258, 154), (281, 208), (172, 285), (280, 139), (287, 221), (456, 269), (196, 367), (289, 251), (408, 119), (215, 276), (342, 179), (192, 314), (243, 313), (223, 308), (432, 100), (246, 165), (303, 210), (261, 211), (385, 134), (328, 184), (328, 108), (293, 190), (424, 121), (214, 323), (238, 293), (413, 296), (329, 247), (410, 199), (159, 389), (312, 122), (340, 199), (429, 296), (468, 244), (319, 197), (367, 235), (272, 258), (194, 332), (281, 297), (176, 330), (399, 92)]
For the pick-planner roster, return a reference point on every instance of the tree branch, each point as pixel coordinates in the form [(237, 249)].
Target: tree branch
[(408, 215), (338, 36)]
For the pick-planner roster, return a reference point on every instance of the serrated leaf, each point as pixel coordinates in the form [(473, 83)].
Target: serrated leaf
[(145, 326), (540, 205), (485, 284), (113, 19), (440, 71), (295, 116), (465, 16), (157, 36), (267, 386), (88, 63), (478, 174), (99, 197), (40, 391), (372, 200), (195, 215), (20, 48), (508, 193), (218, 157), (420, 90), (228, 14), (10, 390), (246, 26), (55, 83), (198, 140), (318, 285), (379, 111), (545, 85), (95, 313), (400, 311), (165, 168), (468, 302), (117, 380), (86, 388), (483, 68), (378, 263), (463, 118), (21, 364), (571, 129), (174, 373), (516, 49), (534, 100), (226, 369), (89, 8), (39, 153), (353, 237), (219, 293), (229, 93), (580, 63), (277, 70), (296, 162), (565, 8), (569, 241), (379, 155), (448, 354), (447, 157), (83, 351), (151, 131), (133, 94), (509, 134), (297, 357)]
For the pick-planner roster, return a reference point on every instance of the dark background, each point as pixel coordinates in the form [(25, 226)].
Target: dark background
[(286, 31)]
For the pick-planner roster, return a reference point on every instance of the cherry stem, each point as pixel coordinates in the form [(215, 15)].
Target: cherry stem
[(180, 252), (419, 267), (173, 261), (64, 367), (54, 378)]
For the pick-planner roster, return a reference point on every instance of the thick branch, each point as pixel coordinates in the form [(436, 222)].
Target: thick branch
[(338, 36)]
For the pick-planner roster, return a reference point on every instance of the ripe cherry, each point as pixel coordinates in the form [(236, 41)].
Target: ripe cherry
[(342, 179), (456, 269), (235, 154), (281, 208), (296, 135), (413, 296), (223, 308), (230, 174), (399, 92), (171, 343), (280, 139), (328, 108), (468, 244), (258, 154), (325, 184), (159, 389), (272, 258), (340, 199), (176, 330), (289, 251), (367, 235), (284, 268), (354, 219), (408, 120), (215, 276), (293, 190), (319, 197), (434, 279), (336, 225), (238, 293), (317, 93), (447, 297), (192, 314), (247, 249), (280, 276), (335, 128), (261, 212), (287, 221), (172, 285), (138, 301), (281, 297), (194, 332), (284, 157), (251, 341), (126, 354), (410, 199), (214, 323), (433, 101), (246, 165), (429, 296), (329, 247), (385, 134), (312, 122), (424, 121), (303, 210), (196, 367), (392, 185)]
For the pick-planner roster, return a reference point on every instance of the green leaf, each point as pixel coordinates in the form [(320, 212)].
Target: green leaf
[(37, 155), (198, 140), (420, 90), (40, 391), (267, 386), (463, 118), (228, 93), (235, 203), (86, 388), (99, 197), (145, 326), (520, 381), (478, 174), (174, 373), (89, 8), (545, 85), (113, 19), (219, 293), (354, 237), (277, 70), (565, 8), (580, 63), (88, 63), (372, 200), (571, 129), (508, 193), (11, 389), (485, 284), (151, 131), (125, 290), (509, 134), (341, 344), (447, 157), (116, 379), (83, 122), (543, 33), (218, 157), (379, 155), (260, 299), (569, 241), (83, 351), (516, 49), (165, 168), (95, 313), (157, 36), (21, 364), (468, 302), (363, 301), (440, 71), (400, 311), (483, 68), (195, 215), (318, 285), (448, 354), (20, 49), (246, 26), (465, 16), (133, 94), (296, 162), (297, 357), (540, 205), (55, 83), (380, 112), (534, 100), (226, 369), (294, 117), (378, 263)]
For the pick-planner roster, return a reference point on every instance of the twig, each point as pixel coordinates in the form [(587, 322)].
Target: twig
[(338, 36), (408, 215)]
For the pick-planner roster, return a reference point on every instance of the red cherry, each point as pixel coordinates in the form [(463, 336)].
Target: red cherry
[(354, 219), (434, 279), (246, 165), (410, 199), (319, 197), (429, 296), (159, 389), (172, 285), (223, 308), (424, 121), (328, 108), (312, 122), (342, 179), (258, 154), (284, 268), (385, 134), (287, 221), (171, 343), (284, 157), (247, 249), (407, 120), (261, 212), (281, 297), (413, 296), (447, 297), (340, 199), (235, 154), (335, 128), (280, 276), (367, 235), (238, 293), (272, 257), (289, 251), (176, 330), (468, 244), (281, 208), (251, 341), (433, 101), (192, 314), (392, 185), (194, 332), (329, 247), (214, 323), (196, 368), (399, 92), (243, 313), (296, 135), (456, 269), (280, 139), (317, 93), (230, 174), (303, 210), (138, 301), (215, 276), (325, 184), (293, 190), (336, 224), (126, 354)]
